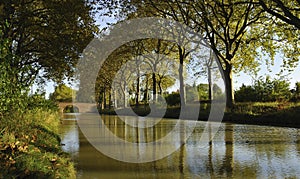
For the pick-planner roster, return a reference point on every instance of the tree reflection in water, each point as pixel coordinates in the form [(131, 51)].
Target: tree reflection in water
[(236, 151)]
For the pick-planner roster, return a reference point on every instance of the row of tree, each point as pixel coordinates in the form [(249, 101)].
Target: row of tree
[(240, 33), (45, 39), (144, 69)]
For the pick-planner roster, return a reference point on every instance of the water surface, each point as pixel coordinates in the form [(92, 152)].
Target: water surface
[(236, 151)]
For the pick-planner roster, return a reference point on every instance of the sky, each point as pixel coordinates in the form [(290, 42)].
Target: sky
[(238, 79)]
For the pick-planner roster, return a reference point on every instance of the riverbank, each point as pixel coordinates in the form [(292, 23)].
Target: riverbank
[(30, 146), (270, 114)]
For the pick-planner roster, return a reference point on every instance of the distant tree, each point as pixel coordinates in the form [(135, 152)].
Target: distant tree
[(203, 91), (281, 90), (297, 88), (246, 94), (296, 92), (173, 99), (267, 90), (62, 93)]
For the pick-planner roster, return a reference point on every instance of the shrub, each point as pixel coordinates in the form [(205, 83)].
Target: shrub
[(173, 99)]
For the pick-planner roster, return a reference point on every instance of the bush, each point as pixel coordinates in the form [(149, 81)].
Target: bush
[(264, 91), (246, 94), (173, 99)]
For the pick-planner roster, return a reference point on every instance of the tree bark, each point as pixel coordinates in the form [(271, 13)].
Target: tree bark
[(137, 94), (103, 99), (210, 85), (124, 95), (229, 86), (160, 88), (181, 81), (109, 100), (154, 84), (146, 98), (115, 97)]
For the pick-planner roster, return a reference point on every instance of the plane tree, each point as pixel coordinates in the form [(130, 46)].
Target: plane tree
[(47, 36), (240, 33)]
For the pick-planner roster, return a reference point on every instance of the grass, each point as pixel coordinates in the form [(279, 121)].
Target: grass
[(275, 114), (30, 147), (259, 113)]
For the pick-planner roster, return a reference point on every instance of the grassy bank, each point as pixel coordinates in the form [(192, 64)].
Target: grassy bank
[(275, 114), (30, 146)]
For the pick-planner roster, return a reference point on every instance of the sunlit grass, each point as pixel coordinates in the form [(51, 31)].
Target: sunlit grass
[(30, 147)]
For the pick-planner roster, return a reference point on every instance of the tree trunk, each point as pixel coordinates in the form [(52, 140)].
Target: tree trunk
[(210, 85), (115, 97), (160, 88), (109, 100), (104, 99), (124, 95), (137, 94), (154, 84), (181, 81), (146, 98), (229, 86)]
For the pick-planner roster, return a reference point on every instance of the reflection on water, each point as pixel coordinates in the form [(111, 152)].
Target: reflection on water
[(236, 151)]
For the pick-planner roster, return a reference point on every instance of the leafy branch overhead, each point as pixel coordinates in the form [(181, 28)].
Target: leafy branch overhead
[(48, 36)]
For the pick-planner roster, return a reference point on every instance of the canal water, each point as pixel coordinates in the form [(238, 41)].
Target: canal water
[(236, 151)]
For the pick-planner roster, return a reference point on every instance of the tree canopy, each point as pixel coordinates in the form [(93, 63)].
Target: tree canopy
[(241, 33), (62, 93), (47, 36)]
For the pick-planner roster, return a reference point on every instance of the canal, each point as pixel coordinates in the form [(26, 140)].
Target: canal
[(236, 151)]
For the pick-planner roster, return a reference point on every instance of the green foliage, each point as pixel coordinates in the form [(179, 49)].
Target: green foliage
[(47, 36), (12, 94), (71, 109), (25, 122), (246, 94), (62, 93), (203, 90), (264, 91), (173, 99), (241, 33), (296, 92)]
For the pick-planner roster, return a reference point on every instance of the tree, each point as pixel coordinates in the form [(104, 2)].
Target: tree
[(224, 24), (157, 53), (134, 9), (296, 93), (12, 93), (238, 32), (205, 65), (47, 36), (268, 90), (246, 94), (203, 91), (62, 93)]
